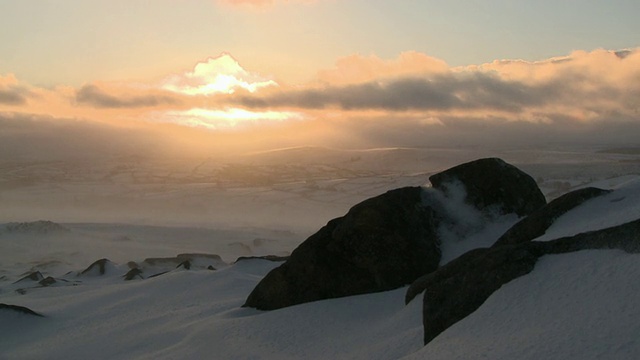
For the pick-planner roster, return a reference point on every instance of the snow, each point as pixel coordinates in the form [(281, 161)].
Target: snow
[(620, 206), (572, 306), (581, 305), (197, 314), (463, 227)]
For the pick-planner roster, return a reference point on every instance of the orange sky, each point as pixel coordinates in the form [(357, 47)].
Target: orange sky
[(352, 100)]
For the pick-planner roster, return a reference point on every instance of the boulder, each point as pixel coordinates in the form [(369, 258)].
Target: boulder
[(460, 287), (381, 244), (457, 289), (132, 274), (31, 277), (536, 224), (492, 185), (98, 267)]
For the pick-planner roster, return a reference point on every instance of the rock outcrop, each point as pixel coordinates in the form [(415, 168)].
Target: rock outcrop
[(382, 243), (459, 288), (98, 267), (492, 185), (539, 221), (390, 240)]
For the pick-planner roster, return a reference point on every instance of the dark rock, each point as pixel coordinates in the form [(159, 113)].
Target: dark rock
[(538, 222), (624, 237), (191, 256), (460, 287), (34, 276), (98, 266), (492, 184), (275, 258), (180, 258), (47, 281), (381, 244), (155, 275), (457, 289), (185, 264), (210, 267), (132, 274), (19, 309)]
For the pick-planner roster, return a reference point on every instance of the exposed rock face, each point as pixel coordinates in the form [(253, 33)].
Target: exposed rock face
[(132, 274), (47, 281), (538, 222), (34, 276), (180, 258), (98, 267), (390, 240), (382, 243), (493, 184), (459, 288)]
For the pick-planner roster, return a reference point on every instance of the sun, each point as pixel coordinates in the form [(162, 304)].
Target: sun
[(215, 76)]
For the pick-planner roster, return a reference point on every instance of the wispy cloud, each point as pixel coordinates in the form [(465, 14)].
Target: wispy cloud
[(441, 92)]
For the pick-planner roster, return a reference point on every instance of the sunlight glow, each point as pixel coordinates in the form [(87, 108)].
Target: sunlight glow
[(224, 119), (219, 75)]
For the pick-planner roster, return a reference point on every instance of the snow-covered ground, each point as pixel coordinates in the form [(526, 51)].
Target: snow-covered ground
[(572, 306), (580, 305)]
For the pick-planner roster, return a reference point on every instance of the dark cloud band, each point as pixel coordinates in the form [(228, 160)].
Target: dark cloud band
[(94, 96)]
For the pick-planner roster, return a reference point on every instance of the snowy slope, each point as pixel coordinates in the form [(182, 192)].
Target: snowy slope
[(581, 305), (197, 314), (618, 207), (572, 306)]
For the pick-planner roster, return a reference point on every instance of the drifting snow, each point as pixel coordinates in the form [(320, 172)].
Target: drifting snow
[(464, 227)]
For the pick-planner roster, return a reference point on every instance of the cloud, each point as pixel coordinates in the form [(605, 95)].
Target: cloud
[(584, 86), (100, 98), (412, 100), (440, 92), (11, 92), (217, 75)]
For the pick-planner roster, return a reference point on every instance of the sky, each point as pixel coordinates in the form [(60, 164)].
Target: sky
[(352, 73)]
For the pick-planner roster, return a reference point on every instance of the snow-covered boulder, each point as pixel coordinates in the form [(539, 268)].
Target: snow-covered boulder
[(459, 288), (98, 268), (539, 221)]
